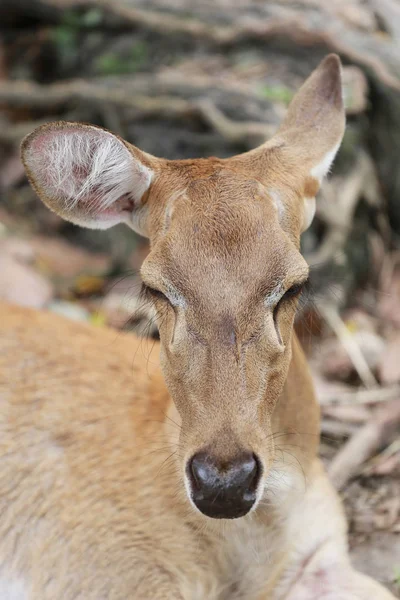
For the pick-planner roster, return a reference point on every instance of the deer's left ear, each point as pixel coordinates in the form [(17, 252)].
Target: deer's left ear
[(314, 127), (303, 149)]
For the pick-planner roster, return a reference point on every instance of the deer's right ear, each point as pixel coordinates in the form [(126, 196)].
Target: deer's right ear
[(88, 175)]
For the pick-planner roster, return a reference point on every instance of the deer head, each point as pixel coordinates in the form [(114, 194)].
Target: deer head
[(224, 269)]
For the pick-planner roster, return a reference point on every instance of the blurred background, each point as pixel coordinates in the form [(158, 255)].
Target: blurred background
[(182, 79)]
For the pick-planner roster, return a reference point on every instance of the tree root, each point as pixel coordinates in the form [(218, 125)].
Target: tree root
[(304, 27)]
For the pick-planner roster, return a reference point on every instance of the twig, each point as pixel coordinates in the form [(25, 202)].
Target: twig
[(364, 443), (234, 131), (371, 396), (333, 319), (373, 466), (337, 429), (349, 413), (26, 93)]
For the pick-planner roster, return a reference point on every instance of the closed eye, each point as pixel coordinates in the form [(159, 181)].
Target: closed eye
[(150, 293), (171, 297), (294, 291)]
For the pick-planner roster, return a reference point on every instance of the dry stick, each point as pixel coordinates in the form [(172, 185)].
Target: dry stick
[(387, 453), (371, 396), (350, 413), (26, 93), (144, 92), (364, 443), (337, 429), (45, 96), (332, 317), (233, 131)]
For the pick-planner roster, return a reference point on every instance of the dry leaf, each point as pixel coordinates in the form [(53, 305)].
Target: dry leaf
[(21, 284), (62, 259)]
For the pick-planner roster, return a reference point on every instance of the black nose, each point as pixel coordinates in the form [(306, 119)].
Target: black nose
[(224, 490)]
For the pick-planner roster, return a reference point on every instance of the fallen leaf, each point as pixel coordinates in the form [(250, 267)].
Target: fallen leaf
[(21, 284), (60, 258)]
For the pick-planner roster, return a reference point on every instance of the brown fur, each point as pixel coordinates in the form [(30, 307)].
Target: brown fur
[(94, 448)]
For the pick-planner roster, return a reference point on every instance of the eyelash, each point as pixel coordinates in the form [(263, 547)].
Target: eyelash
[(292, 292), (152, 294)]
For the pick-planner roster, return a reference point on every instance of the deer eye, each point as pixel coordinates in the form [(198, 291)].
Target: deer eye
[(292, 292), (153, 294)]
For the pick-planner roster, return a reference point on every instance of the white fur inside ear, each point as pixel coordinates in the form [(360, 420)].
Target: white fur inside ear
[(87, 171), (322, 168), (13, 589)]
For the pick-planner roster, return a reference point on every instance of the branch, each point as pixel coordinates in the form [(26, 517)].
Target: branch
[(26, 93), (363, 444), (332, 317), (252, 132), (362, 396)]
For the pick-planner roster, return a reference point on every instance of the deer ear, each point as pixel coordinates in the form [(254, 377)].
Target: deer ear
[(88, 175), (313, 128), (300, 154)]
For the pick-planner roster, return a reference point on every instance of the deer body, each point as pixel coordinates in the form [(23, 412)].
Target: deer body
[(116, 485), (91, 507)]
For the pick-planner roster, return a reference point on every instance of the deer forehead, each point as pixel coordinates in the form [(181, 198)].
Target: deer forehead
[(222, 245), (223, 213)]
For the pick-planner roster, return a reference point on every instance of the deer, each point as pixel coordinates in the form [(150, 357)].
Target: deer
[(187, 471)]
